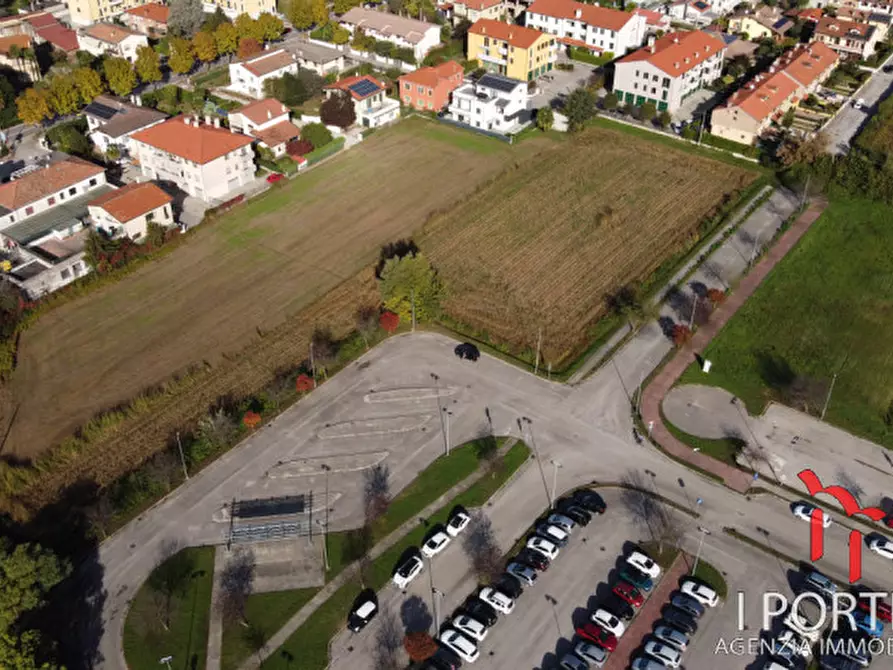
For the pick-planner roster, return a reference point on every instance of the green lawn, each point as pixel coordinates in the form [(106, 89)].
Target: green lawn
[(724, 449), (713, 578), (145, 638), (826, 309)]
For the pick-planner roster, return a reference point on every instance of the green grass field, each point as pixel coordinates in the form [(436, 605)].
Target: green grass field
[(826, 309)]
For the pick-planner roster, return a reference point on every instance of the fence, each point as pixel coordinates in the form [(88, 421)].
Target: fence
[(480, 131), (331, 148)]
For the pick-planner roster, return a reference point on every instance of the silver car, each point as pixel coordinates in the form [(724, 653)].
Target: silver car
[(674, 638), (523, 572), (591, 653), (572, 662)]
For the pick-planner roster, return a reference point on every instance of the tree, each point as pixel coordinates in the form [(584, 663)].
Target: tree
[(545, 118), (340, 35), (610, 102), (182, 57), (579, 108), (120, 75), (319, 11), (366, 319), (317, 134), (681, 334), (88, 83), (185, 18), (148, 65), (251, 420), (205, 47), (227, 39), (389, 322), (788, 119), (247, 27), (715, 296), (647, 112), (664, 119), (248, 47), (213, 21), (420, 646), (479, 544), (69, 140), (300, 13), (33, 106), (343, 6), (63, 95), (338, 110), (325, 349), (411, 281), (794, 151), (236, 584), (170, 579), (268, 27), (376, 491), (388, 639), (288, 89)]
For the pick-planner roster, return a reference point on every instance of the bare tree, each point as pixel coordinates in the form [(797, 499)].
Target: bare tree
[(236, 584), (807, 394), (170, 579), (388, 640), (164, 467), (846, 480), (367, 321), (376, 491), (325, 349), (100, 514), (645, 508), (480, 546)]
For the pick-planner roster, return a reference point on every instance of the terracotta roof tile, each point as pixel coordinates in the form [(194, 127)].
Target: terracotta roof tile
[(43, 20), (262, 110), (388, 24), (432, 76), (652, 18), (843, 28), (131, 201), (200, 145), (518, 36), (152, 11), (279, 134), (479, 5), (267, 62), (21, 41), (593, 15), (677, 53), (43, 183), (107, 32), (60, 37), (763, 95), (347, 82), (804, 64)]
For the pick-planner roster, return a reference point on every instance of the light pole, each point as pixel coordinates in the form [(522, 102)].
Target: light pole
[(703, 532), (436, 592), (167, 661), (325, 527), (555, 466), (694, 308), (447, 414), (183, 460), (444, 426), (536, 455), (828, 398)]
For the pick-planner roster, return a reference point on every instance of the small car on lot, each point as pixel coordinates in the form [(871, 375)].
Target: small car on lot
[(801, 624), (815, 581), (364, 609), (803, 510), (644, 663), (470, 627), (523, 572), (642, 562), (852, 645), (618, 607), (273, 177), (609, 622), (590, 500), (497, 600), (573, 662), (457, 522), (637, 578), (443, 659), (666, 654), (834, 662), (700, 592), (790, 640), (680, 620), (509, 585), (467, 351), (687, 604), (552, 533), (858, 103), (408, 571), (628, 593), (594, 655), (865, 623), (881, 546), (571, 509), (671, 636), (534, 559), (546, 547), (435, 544), (565, 523), (478, 609), (461, 645), (598, 635)]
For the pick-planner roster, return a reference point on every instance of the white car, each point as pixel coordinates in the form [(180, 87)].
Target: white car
[(802, 626), (497, 600), (552, 533), (858, 103), (470, 627), (664, 653), (644, 564), (609, 622), (700, 592), (464, 648), (543, 546), (803, 511), (789, 639), (563, 522), (435, 544), (881, 546), (457, 523), (407, 572)]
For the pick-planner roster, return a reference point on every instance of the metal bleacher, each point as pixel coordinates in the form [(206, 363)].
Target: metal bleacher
[(270, 519)]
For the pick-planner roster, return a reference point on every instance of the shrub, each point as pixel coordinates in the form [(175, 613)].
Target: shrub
[(317, 134), (681, 334), (389, 321), (303, 383), (251, 419)]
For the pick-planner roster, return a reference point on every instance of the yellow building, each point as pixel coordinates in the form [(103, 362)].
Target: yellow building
[(85, 12), (510, 50)]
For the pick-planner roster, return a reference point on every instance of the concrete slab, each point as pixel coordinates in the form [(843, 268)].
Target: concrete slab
[(289, 564)]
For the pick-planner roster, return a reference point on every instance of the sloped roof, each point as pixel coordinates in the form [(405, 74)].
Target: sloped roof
[(517, 36), (126, 118), (262, 110), (131, 201), (59, 36), (267, 62), (432, 76), (594, 15), (152, 11), (652, 18), (108, 32), (21, 41), (348, 84), (43, 183), (677, 53), (805, 63), (200, 145), (388, 24), (479, 5), (763, 95), (279, 134), (841, 27)]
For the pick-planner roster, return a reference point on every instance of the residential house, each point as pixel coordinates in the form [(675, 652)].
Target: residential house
[(879, 20), (317, 58), (510, 50), (693, 12), (848, 38), (269, 122), (22, 24), (735, 45), (493, 103), (873, 6), (26, 66), (248, 76), (46, 29), (473, 10), (371, 104), (764, 22), (666, 72), (809, 14), (793, 76), (149, 19), (654, 21), (232, 8), (108, 39), (429, 88), (445, 9), (128, 211), (206, 161), (85, 12), (419, 36), (599, 29), (112, 122)]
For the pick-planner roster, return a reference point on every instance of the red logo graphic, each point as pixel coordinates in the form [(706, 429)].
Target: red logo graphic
[(850, 507)]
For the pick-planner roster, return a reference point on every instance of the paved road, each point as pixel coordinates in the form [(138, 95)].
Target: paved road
[(849, 120)]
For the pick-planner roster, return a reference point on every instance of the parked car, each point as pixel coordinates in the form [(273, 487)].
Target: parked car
[(837, 662), (680, 620), (457, 522), (470, 627), (666, 654), (273, 177), (523, 572), (590, 500), (497, 600), (798, 622), (687, 604), (789, 640), (700, 592), (815, 581), (563, 522), (408, 571), (858, 103), (644, 663), (591, 653), (609, 622), (534, 559), (803, 510), (887, 69), (509, 585), (598, 635), (443, 659), (628, 593), (552, 533), (435, 544), (467, 351), (883, 611), (852, 645), (865, 623), (881, 546), (671, 636), (478, 609), (461, 645), (642, 562), (543, 546), (364, 609), (618, 607), (569, 508), (637, 578), (573, 662)]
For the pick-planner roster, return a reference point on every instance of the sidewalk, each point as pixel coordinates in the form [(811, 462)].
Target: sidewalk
[(664, 381)]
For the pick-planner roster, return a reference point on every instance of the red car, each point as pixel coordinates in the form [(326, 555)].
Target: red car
[(883, 609), (629, 593), (273, 177), (598, 635)]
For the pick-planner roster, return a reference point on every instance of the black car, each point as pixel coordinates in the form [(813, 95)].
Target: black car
[(467, 351), (590, 500), (888, 69), (852, 645), (509, 585), (534, 559), (619, 607), (443, 659), (679, 619), (570, 509), (478, 609), (364, 609)]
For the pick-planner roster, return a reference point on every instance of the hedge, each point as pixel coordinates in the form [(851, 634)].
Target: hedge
[(324, 152), (730, 145), (587, 56)]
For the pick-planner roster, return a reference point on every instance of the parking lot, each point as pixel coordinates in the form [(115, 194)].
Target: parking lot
[(558, 83)]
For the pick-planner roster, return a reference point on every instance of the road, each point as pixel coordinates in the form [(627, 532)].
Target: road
[(849, 120)]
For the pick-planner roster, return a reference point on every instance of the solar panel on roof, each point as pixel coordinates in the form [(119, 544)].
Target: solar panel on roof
[(100, 110), (498, 83), (364, 88)]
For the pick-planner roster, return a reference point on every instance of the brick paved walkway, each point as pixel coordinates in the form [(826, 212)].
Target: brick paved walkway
[(663, 382)]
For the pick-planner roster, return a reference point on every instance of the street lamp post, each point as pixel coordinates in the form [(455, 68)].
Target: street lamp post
[(325, 550), (166, 660), (447, 413), (536, 455), (436, 592), (555, 465), (704, 532), (325, 528)]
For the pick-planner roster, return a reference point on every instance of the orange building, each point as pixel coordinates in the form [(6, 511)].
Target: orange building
[(429, 88)]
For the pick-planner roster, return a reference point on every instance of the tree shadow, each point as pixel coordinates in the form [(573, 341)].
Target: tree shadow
[(698, 288), (415, 615), (680, 302), (774, 370)]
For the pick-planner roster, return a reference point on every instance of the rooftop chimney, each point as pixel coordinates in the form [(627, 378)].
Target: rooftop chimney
[(676, 39), (186, 120), (269, 115), (216, 122), (578, 13), (207, 119)]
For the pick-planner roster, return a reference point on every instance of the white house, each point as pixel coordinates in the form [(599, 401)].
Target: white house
[(598, 29), (472, 10), (268, 121), (111, 122), (205, 160), (317, 58), (694, 12), (666, 72), (128, 211), (109, 39), (248, 76), (494, 103), (372, 106), (420, 36)]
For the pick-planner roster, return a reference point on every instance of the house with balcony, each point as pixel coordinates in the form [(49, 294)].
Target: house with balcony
[(879, 20), (269, 122), (514, 51), (420, 36), (371, 104), (204, 160), (473, 10), (494, 103), (112, 122), (666, 72), (764, 22), (848, 38), (696, 13), (149, 19), (655, 21), (601, 30), (128, 211), (429, 88), (112, 40), (248, 76)]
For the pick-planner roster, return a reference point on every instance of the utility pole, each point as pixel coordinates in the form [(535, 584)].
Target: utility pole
[(701, 128), (412, 299), (704, 532), (182, 459), (536, 454), (694, 308), (325, 528), (312, 365), (539, 343), (828, 398), (448, 414)]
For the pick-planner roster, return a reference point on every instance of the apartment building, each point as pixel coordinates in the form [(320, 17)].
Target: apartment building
[(372, 106), (85, 12), (600, 29), (473, 10), (765, 99), (848, 38), (111, 40), (248, 76), (514, 51), (232, 8), (128, 211), (149, 19), (493, 103), (666, 72), (419, 36), (429, 88), (203, 159)]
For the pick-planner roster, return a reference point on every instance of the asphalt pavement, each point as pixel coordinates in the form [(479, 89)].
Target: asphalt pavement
[(849, 120)]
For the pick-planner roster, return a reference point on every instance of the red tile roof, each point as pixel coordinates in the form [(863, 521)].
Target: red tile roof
[(42, 20), (152, 11), (267, 62), (517, 36), (677, 53), (580, 44), (131, 201), (763, 95), (281, 133), (107, 32), (60, 37), (262, 110), (347, 82), (46, 182), (432, 76), (21, 41), (600, 17), (841, 27), (652, 18), (200, 145), (479, 5), (804, 64), (811, 14)]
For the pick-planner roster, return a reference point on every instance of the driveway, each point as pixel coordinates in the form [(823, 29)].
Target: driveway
[(849, 120), (551, 93)]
